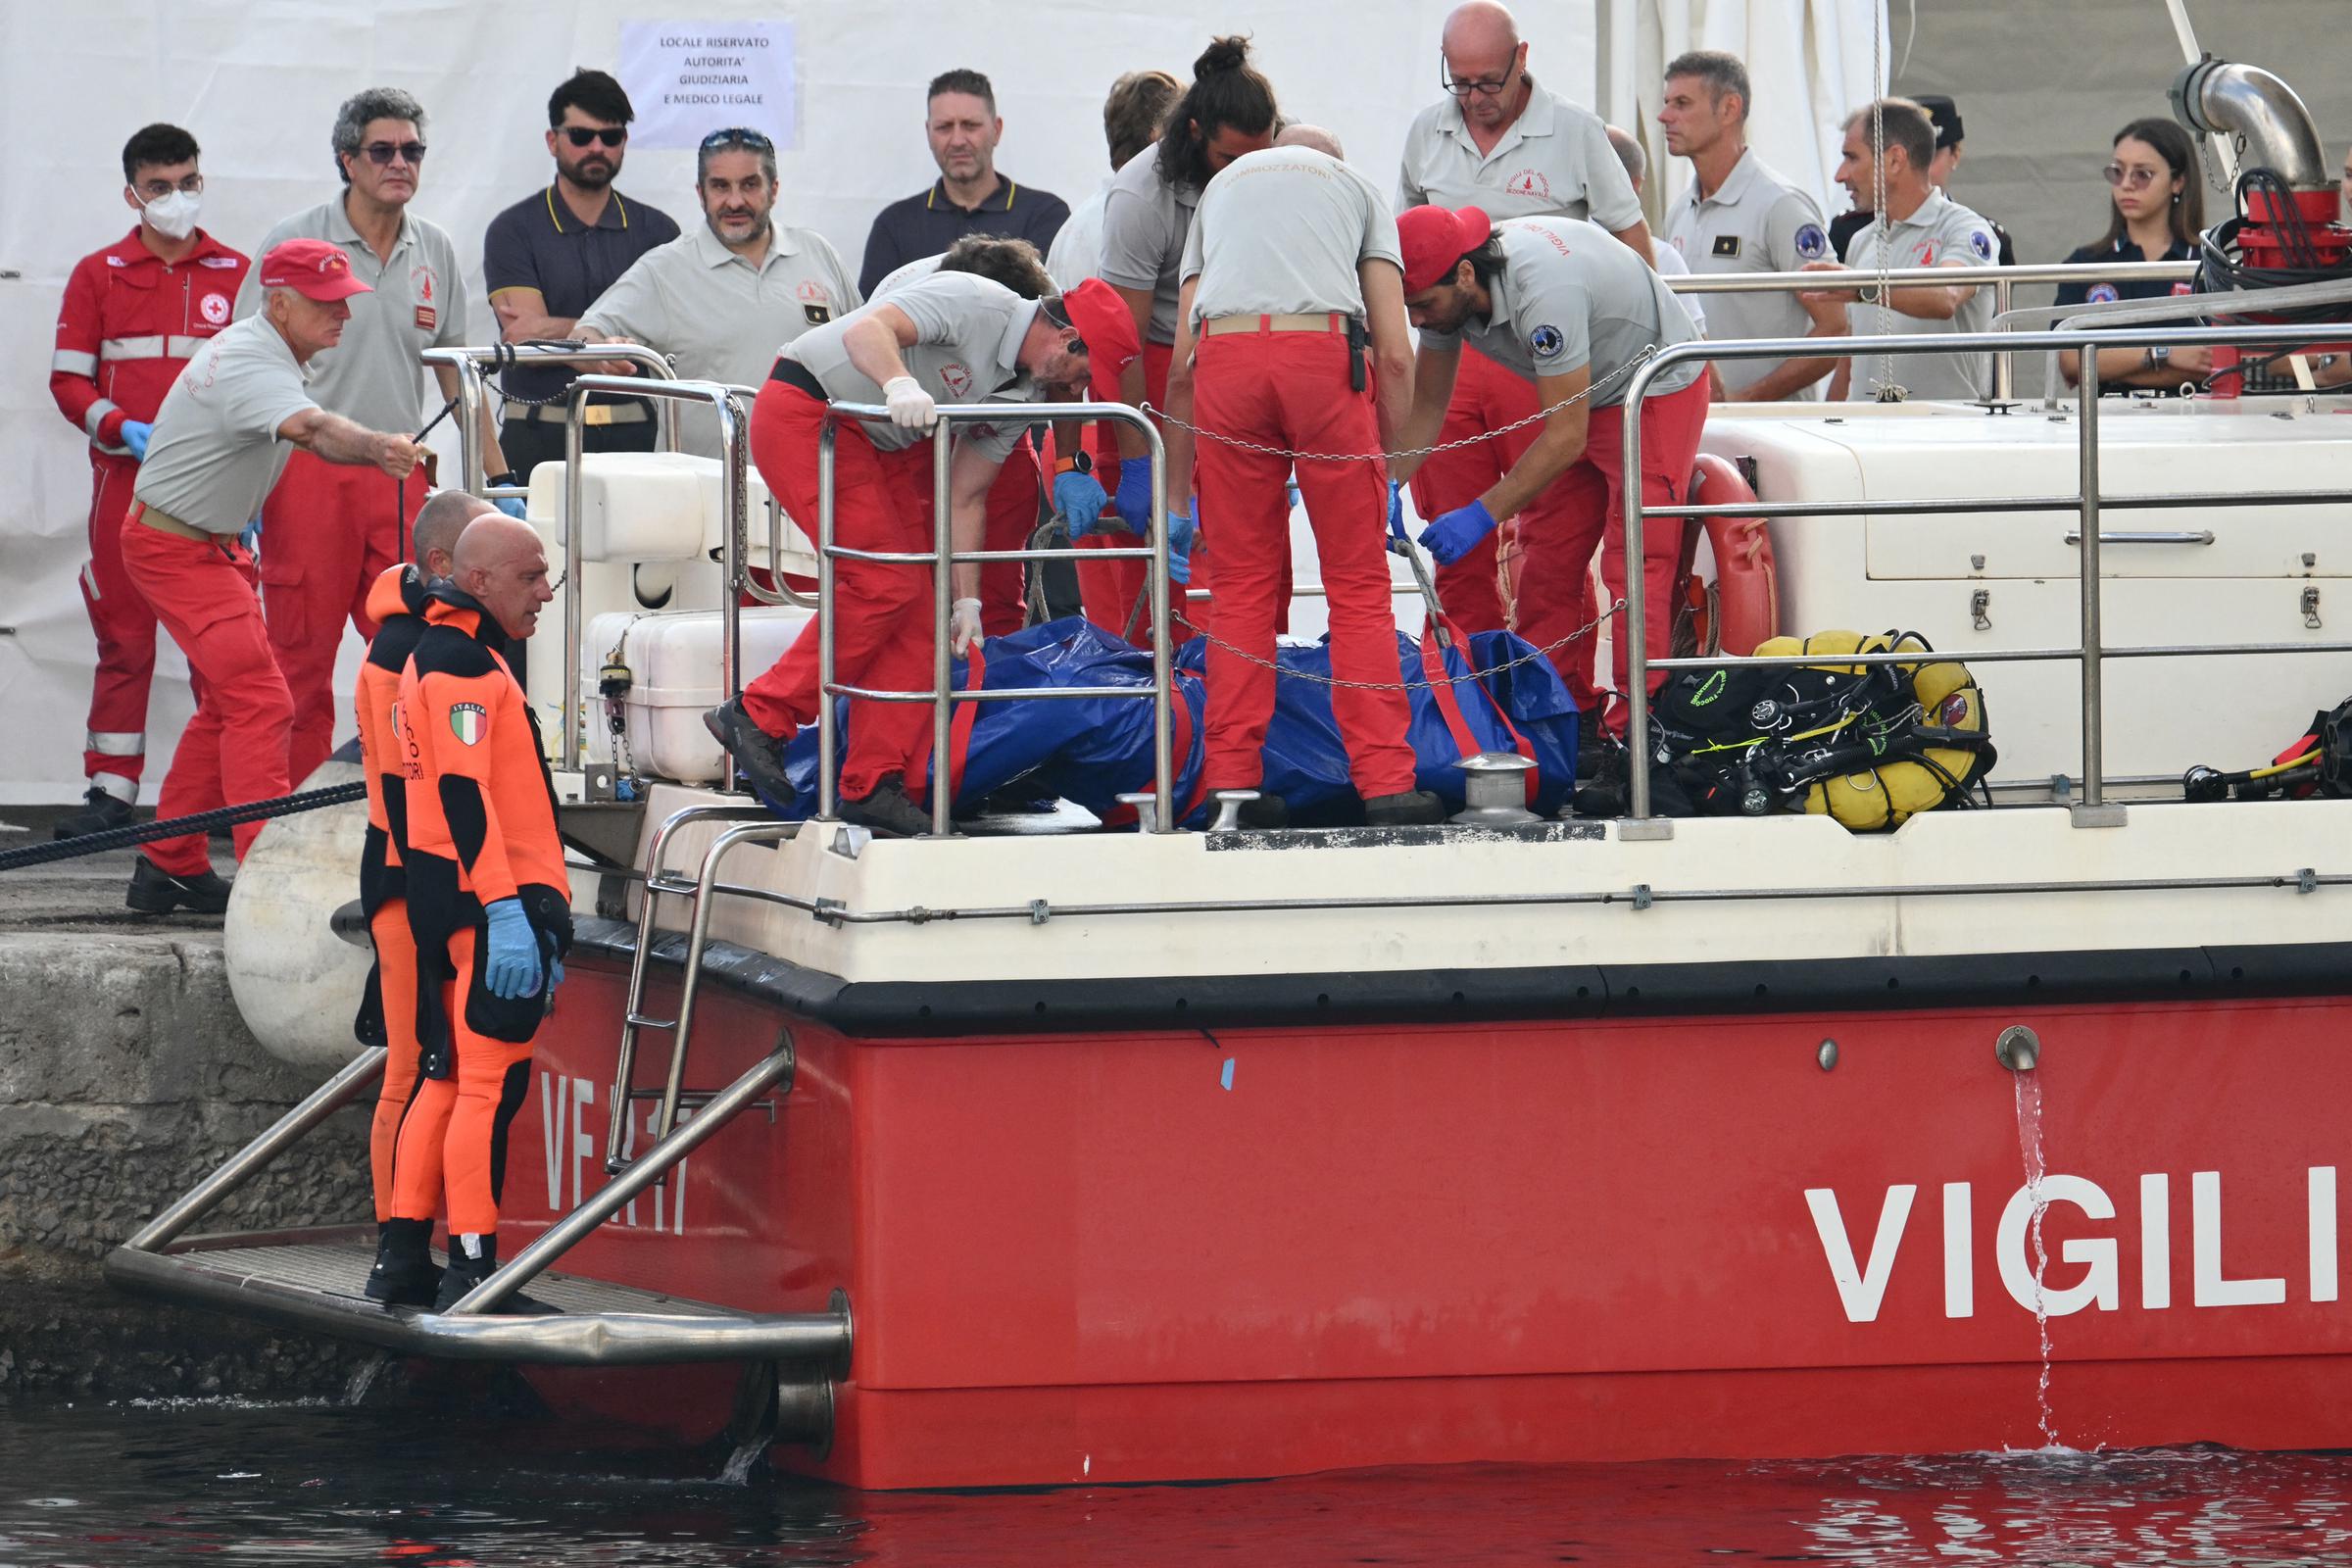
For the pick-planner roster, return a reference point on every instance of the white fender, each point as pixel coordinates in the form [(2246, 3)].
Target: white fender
[(296, 982)]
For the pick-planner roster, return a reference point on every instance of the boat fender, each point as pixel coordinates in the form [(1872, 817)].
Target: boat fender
[(1747, 594)]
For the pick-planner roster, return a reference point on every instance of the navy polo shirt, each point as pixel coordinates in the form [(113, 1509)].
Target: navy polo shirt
[(2137, 289), (928, 223), (541, 243)]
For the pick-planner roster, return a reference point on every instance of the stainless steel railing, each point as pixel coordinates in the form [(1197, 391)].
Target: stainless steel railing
[(469, 361), (2092, 809), (942, 557)]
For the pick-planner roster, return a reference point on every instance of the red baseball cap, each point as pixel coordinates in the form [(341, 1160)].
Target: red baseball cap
[(1434, 239), (1108, 326), (313, 269)]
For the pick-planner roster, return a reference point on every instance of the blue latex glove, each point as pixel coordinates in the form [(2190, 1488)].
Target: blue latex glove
[(1135, 495), (555, 966), (513, 507), (134, 436), (514, 967), (1080, 499), (1181, 528), (1396, 511), (251, 538), (1450, 538), (1290, 489)]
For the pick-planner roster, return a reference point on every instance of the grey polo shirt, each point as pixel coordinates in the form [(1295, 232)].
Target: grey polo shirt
[(1757, 221), (373, 378), (1570, 296), (1145, 223), (1940, 232), (1280, 232), (1555, 160), (721, 316), (968, 348), (214, 452), (1077, 253)]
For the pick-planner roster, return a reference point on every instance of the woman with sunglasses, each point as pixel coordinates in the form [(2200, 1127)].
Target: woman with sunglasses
[(2156, 209)]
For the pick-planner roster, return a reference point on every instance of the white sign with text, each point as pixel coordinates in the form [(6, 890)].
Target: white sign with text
[(689, 79)]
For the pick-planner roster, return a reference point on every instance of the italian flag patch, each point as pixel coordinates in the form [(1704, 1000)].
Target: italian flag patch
[(467, 721)]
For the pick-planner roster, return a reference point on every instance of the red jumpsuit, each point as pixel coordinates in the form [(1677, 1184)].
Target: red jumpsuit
[(129, 321), (1486, 397), (1289, 391), (881, 501), (481, 823), (328, 532)]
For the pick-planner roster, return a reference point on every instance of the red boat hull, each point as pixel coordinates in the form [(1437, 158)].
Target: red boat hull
[(1172, 1255)]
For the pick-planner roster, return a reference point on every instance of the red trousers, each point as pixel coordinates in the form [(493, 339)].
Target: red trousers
[(882, 632), (1012, 516), (327, 533), (396, 973), (1584, 511), (1289, 390), (1110, 590), (1486, 397), (116, 744), (453, 1140), (234, 751)]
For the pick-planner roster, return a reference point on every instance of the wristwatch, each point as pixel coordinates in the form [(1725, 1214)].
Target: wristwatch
[(2159, 356), (1078, 462)]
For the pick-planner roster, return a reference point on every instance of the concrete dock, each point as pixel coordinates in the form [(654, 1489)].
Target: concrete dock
[(125, 1076)]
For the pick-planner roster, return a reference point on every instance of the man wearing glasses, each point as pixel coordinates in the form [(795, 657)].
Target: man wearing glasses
[(328, 532), (133, 314), (1501, 142), (721, 299), (548, 256)]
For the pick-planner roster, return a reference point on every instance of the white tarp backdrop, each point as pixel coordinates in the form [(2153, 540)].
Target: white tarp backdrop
[(259, 85)]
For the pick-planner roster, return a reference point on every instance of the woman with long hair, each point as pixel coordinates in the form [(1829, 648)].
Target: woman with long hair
[(2155, 212)]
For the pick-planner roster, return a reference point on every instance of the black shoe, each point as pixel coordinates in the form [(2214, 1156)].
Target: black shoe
[(405, 1273), (1266, 813), (1409, 808), (156, 890), (100, 813), (759, 755), (465, 1273), (889, 811)]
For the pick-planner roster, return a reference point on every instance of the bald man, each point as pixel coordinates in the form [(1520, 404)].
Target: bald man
[(1312, 137), (404, 1274), (1669, 261), (1502, 143), (489, 898)]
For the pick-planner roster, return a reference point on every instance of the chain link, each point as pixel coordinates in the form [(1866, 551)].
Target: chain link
[(1281, 674), (1647, 353)]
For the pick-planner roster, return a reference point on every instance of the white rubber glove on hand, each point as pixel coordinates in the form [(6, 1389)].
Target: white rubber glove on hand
[(965, 626), (911, 407)]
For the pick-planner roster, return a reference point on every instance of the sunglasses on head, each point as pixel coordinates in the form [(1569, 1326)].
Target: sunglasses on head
[(590, 135), (737, 136), (381, 153)]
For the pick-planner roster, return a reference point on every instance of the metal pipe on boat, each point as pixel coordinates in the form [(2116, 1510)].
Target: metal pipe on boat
[(2087, 446), (1636, 665), (942, 609), (2004, 376), (828, 741), (201, 1199), (617, 1193), (731, 479), (2218, 99), (698, 943), (2018, 1048), (574, 494), (1163, 763)]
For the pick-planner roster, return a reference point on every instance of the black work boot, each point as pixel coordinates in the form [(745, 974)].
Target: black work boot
[(465, 1271), (759, 755), (405, 1273), (889, 811), (156, 890), (1413, 807), (100, 813)]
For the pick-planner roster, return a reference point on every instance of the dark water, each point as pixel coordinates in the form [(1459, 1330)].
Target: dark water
[(304, 1485)]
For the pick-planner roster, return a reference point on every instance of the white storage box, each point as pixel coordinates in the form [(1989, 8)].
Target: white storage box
[(663, 505), (674, 676)]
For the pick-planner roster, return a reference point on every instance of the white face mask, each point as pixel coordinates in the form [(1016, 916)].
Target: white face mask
[(174, 216)]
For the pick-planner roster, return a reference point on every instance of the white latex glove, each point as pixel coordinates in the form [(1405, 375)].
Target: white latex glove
[(964, 625), (911, 407)]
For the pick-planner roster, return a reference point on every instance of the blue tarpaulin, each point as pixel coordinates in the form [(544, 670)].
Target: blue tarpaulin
[(1092, 750)]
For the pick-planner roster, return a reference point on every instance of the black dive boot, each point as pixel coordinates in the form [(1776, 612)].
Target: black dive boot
[(405, 1273), (465, 1271)]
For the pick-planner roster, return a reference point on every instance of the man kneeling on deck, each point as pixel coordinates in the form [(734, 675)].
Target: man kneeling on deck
[(953, 337), (489, 898)]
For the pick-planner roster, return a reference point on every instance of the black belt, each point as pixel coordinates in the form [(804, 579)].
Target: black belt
[(623, 410), (793, 373)]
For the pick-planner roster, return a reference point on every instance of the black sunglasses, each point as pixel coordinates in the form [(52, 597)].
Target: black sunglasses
[(589, 135), (737, 136), (381, 153), (1054, 310)]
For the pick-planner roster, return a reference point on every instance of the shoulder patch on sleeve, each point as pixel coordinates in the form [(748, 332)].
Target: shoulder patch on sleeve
[(1546, 342), (1812, 243), (1981, 243)]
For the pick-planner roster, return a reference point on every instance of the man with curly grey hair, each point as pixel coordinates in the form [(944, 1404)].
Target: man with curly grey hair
[(328, 532)]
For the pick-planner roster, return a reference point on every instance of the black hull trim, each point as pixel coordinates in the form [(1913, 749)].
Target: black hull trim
[(901, 1008)]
